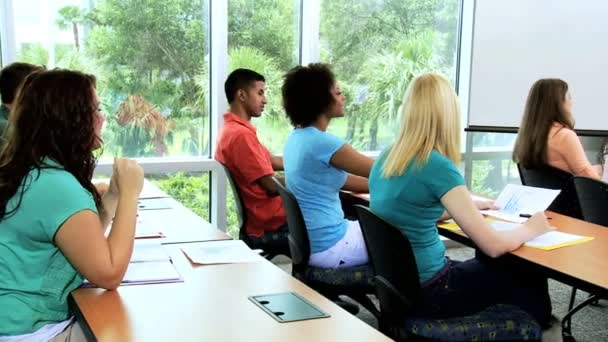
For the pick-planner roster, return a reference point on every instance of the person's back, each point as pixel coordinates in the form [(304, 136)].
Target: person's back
[(52, 218), (251, 164), (546, 135), (37, 294), (316, 184), (412, 203), (565, 152), (318, 164)]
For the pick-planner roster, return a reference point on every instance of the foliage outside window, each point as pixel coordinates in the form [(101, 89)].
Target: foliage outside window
[(149, 61)]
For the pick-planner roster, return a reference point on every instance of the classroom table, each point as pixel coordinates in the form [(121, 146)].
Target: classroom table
[(178, 223), (211, 305)]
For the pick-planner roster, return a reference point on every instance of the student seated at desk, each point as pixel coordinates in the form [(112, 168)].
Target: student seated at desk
[(546, 135), (415, 182), (318, 164), (251, 164), (52, 219), (11, 78)]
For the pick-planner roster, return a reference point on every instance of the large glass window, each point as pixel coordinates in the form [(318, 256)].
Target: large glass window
[(263, 36), (376, 47), (150, 61)]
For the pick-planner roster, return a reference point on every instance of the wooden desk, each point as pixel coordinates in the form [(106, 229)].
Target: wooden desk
[(584, 266), (211, 305)]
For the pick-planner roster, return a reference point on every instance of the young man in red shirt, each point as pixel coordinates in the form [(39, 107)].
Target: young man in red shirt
[(251, 164)]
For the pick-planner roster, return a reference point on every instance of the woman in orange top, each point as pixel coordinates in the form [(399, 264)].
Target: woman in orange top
[(546, 134)]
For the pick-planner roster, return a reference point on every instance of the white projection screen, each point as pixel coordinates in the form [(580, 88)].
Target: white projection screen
[(516, 42)]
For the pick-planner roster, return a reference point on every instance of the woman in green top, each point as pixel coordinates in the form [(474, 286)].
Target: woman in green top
[(415, 183), (52, 219)]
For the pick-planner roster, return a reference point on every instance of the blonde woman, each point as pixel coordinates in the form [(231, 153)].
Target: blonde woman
[(415, 183)]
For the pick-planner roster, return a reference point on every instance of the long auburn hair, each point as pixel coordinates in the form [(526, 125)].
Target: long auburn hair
[(544, 106), (52, 118), (430, 120)]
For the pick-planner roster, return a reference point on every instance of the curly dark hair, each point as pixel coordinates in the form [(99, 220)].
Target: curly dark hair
[(52, 118), (307, 93)]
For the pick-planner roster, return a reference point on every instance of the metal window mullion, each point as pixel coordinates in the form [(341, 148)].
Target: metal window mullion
[(218, 65), (7, 32), (310, 21)]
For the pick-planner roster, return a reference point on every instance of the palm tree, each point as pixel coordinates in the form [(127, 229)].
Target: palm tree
[(71, 16)]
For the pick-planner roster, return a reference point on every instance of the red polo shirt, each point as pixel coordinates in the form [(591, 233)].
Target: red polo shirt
[(239, 149)]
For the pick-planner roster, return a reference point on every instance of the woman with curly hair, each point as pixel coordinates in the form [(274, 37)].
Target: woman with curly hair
[(52, 218), (319, 164)]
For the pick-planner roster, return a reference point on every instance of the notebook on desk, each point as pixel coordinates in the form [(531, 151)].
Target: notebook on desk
[(149, 264)]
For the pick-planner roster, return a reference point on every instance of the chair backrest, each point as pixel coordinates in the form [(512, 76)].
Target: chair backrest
[(299, 245), (394, 264), (593, 199), (238, 202), (549, 177)]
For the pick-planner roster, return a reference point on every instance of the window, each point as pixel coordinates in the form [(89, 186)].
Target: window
[(151, 66), (376, 47), (263, 36)]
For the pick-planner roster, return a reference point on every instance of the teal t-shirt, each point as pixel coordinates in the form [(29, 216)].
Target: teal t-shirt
[(411, 202), (35, 276)]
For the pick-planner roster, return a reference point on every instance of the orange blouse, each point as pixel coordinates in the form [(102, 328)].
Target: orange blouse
[(565, 152)]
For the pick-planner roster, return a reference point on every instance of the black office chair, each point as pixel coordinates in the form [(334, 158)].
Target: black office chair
[(353, 282), (242, 216), (593, 199), (398, 290), (549, 177)]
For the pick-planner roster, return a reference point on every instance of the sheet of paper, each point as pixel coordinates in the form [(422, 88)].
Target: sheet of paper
[(221, 252), (553, 240), (154, 204), (144, 252), (520, 199), (151, 272), (147, 228)]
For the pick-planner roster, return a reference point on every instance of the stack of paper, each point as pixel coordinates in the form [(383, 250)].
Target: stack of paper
[(150, 264), (547, 241), (221, 252), (516, 200)]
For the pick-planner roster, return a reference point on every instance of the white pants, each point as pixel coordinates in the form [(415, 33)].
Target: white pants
[(348, 252)]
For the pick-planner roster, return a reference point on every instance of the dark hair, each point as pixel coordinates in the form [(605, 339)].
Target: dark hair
[(240, 79), (307, 93), (52, 118), (544, 106), (11, 78)]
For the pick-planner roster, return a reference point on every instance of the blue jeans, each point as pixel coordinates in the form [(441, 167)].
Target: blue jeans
[(470, 286)]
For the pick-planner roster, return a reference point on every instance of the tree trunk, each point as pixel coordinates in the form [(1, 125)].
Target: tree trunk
[(75, 30), (351, 127), (373, 135)]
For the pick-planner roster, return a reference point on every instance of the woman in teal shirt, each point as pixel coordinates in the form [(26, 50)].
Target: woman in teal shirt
[(52, 218), (415, 183)]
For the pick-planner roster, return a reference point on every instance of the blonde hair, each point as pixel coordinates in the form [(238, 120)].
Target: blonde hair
[(430, 120)]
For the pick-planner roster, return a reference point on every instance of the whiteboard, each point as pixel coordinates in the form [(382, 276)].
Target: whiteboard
[(516, 42)]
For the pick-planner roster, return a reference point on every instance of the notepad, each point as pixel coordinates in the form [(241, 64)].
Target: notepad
[(149, 264), (548, 241), (520, 199), (221, 252)]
